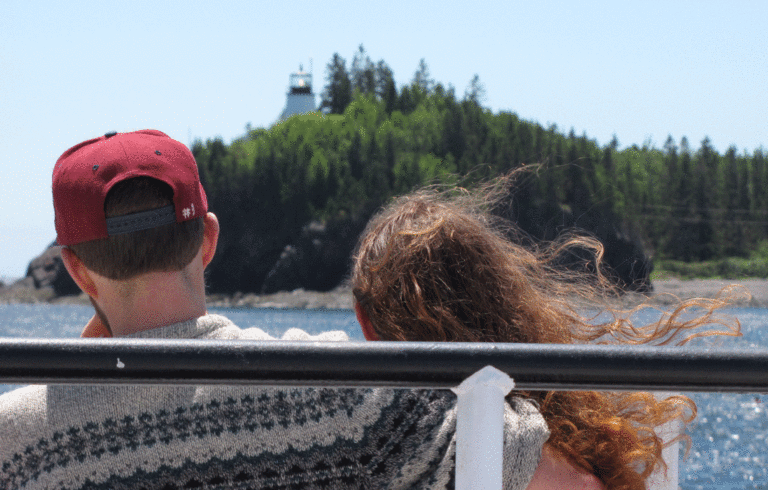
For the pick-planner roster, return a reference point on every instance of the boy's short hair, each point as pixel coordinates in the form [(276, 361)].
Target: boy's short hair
[(164, 248), (129, 203)]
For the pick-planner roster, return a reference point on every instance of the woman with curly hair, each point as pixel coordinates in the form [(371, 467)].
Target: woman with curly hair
[(437, 266)]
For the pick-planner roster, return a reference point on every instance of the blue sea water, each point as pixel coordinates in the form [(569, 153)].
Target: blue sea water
[(729, 436)]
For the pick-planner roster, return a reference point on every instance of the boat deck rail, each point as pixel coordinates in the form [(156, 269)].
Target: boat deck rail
[(381, 364), (481, 374)]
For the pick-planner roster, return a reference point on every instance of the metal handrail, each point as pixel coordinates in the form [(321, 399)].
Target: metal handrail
[(380, 364)]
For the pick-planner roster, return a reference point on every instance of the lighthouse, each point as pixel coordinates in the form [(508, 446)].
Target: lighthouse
[(300, 98)]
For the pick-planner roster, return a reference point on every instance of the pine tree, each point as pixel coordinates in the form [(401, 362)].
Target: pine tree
[(760, 188), (704, 197), (385, 86), (363, 73), (355, 158), (422, 79), (731, 229), (475, 91), (338, 91)]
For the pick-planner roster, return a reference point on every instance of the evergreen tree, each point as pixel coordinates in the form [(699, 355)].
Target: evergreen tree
[(390, 156), (453, 139), (744, 204), (760, 186), (732, 240), (682, 237), (338, 90), (475, 91), (607, 189), (385, 86), (705, 200), (577, 191), (667, 212), (671, 164), (422, 79), (355, 158), (475, 133), (363, 73), (407, 103)]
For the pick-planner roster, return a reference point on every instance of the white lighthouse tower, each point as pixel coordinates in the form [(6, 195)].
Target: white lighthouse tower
[(300, 98)]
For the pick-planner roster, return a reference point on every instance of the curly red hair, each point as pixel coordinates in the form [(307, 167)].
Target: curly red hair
[(437, 266)]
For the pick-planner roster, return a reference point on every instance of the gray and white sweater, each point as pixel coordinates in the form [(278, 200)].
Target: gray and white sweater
[(233, 437)]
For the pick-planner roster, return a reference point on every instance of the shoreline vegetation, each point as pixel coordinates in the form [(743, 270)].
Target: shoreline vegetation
[(317, 178), (667, 290)]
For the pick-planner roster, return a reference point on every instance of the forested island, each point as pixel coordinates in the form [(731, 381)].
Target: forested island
[(292, 199)]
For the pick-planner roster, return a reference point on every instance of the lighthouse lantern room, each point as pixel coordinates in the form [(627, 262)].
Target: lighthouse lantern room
[(300, 98)]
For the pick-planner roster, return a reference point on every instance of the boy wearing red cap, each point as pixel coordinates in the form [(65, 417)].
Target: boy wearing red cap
[(136, 233), (133, 219)]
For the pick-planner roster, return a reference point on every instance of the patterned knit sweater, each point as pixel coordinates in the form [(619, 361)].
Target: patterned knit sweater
[(232, 437)]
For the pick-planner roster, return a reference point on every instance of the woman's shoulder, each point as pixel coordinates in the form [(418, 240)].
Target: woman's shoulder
[(556, 473)]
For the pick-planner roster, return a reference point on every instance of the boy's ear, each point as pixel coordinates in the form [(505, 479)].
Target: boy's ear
[(79, 272), (365, 323), (210, 237)]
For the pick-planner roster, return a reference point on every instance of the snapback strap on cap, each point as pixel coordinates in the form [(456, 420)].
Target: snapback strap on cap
[(143, 220)]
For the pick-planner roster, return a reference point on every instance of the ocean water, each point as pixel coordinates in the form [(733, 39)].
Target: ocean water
[(728, 439)]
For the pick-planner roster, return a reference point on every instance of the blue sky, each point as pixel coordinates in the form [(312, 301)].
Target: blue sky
[(73, 70)]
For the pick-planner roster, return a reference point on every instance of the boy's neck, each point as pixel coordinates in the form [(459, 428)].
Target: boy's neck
[(153, 300)]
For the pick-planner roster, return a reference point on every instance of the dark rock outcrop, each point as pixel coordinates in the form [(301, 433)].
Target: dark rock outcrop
[(319, 260), (624, 259), (48, 271)]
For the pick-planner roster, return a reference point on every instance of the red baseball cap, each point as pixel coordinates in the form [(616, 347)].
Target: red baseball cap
[(85, 173)]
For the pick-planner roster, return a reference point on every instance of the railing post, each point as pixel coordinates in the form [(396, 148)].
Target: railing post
[(480, 429), (659, 480)]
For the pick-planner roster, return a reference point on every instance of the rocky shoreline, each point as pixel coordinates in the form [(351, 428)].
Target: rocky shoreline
[(336, 299), (24, 292), (665, 292), (751, 292)]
